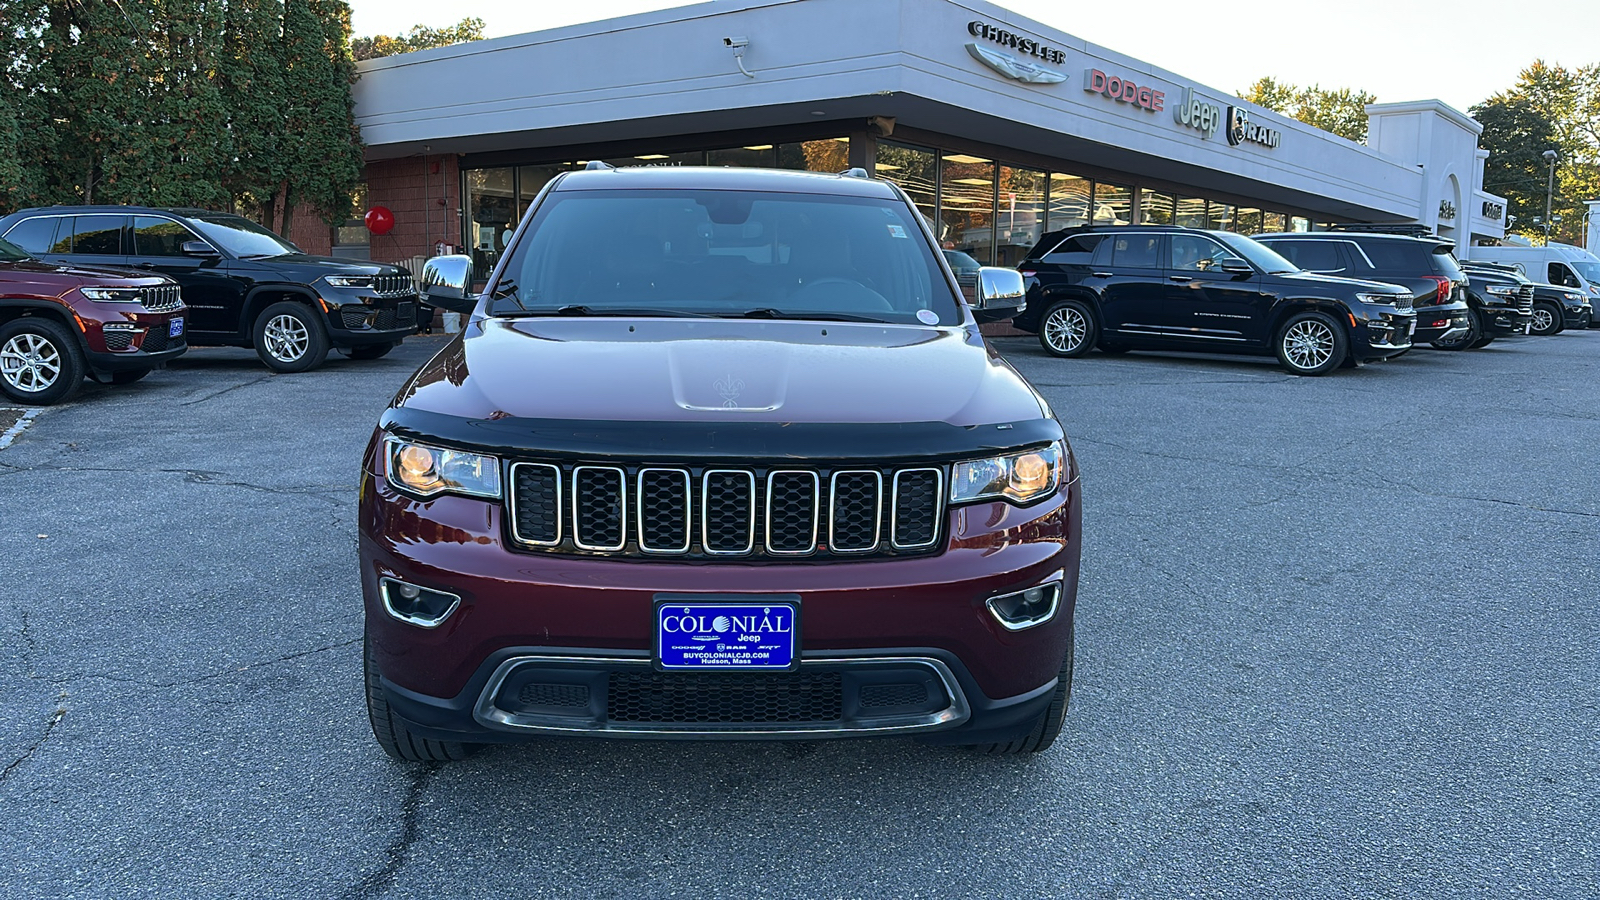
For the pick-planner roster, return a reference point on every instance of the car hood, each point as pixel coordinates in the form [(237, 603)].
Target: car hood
[(1354, 284), (68, 275), (317, 266), (720, 371)]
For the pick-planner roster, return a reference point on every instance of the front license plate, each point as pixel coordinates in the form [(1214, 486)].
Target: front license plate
[(175, 328), (732, 636)]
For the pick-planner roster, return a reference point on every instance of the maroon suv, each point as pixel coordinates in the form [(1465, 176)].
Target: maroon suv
[(60, 323), (719, 454)]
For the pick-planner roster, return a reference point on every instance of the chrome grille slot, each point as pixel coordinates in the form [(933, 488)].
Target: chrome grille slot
[(792, 500), (662, 510), (161, 297), (728, 511), (392, 285), (914, 509), (855, 511), (1404, 302), (1525, 298), (536, 504), (599, 511)]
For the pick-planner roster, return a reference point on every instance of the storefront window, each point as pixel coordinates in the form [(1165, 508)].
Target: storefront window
[(1274, 221), (1157, 209), (763, 156), (1069, 201), (1191, 212), (1219, 216), (1248, 221), (832, 155), (532, 179), (490, 206), (1113, 204), (966, 206), (1299, 223), (1020, 217), (351, 239), (914, 171), (693, 158)]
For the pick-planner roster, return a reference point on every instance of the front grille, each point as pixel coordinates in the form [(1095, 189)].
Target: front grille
[(1525, 299), (118, 340), (1403, 302), (161, 297), (878, 695), (403, 315), (353, 316), (725, 513), (725, 698), (156, 341), (392, 285), (560, 695)]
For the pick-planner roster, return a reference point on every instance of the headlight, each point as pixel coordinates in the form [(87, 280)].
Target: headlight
[(426, 471), (1574, 298), (1020, 477), (1379, 299), (111, 295), (348, 281), (1501, 290)]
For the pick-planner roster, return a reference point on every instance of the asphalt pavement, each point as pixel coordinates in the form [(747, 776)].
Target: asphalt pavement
[(1336, 637)]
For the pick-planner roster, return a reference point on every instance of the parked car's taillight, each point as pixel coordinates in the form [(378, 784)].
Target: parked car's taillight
[(1441, 293)]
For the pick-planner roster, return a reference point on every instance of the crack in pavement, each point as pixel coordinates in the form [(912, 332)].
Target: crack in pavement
[(71, 677), (203, 477), (225, 390), (49, 729), (395, 855)]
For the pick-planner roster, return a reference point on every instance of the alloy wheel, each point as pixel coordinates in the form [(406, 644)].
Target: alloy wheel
[(30, 363), (287, 338), (1543, 319), (1065, 329), (1308, 344)]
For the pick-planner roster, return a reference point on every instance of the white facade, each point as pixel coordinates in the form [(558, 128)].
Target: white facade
[(671, 73)]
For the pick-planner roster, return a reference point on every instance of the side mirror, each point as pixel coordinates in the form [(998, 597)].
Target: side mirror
[(198, 248), (446, 283), (1236, 267), (1001, 294)]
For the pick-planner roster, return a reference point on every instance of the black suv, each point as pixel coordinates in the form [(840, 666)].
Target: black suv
[(1420, 263), (1501, 301), (244, 285), (1161, 287)]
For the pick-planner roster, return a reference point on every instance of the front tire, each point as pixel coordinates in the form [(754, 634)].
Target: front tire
[(40, 362), (1068, 329), (1311, 343), (1466, 339), (392, 734), (1546, 319), (1048, 727), (289, 337)]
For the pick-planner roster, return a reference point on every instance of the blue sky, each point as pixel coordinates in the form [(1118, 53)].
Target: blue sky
[(1396, 49)]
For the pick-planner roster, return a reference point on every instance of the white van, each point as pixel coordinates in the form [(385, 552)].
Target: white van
[(1559, 264)]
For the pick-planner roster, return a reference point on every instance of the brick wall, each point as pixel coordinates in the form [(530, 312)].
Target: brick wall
[(412, 189)]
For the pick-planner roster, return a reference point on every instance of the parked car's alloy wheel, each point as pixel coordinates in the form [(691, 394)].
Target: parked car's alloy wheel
[(1546, 318), (1467, 338), (290, 338), (1068, 329), (40, 362), (1310, 343)]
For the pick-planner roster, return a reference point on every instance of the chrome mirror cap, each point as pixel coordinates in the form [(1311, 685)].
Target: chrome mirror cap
[(445, 283)]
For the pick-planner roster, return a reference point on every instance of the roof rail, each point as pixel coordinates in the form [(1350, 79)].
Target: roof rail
[(595, 165), (1419, 231), (855, 172)]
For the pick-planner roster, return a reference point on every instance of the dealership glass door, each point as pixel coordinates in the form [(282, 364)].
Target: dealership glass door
[(1020, 219), (491, 206)]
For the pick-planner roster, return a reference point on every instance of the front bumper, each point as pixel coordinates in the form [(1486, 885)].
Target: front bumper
[(118, 340), (1384, 334), (1503, 321), (878, 626), (1576, 316), (354, 321)]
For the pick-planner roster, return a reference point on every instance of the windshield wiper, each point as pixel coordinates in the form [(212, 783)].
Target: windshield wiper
[(767, 312), (578, 309)]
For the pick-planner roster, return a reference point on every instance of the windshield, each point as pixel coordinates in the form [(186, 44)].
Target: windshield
[(242, 237), (1589, 270), (1258, 255), (11, 252), (725, 253)]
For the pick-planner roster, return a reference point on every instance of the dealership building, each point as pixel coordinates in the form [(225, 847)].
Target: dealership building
[(999, 127)]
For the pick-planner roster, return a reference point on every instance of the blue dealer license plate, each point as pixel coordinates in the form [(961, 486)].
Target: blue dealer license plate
[(749, 636), (175, 328)]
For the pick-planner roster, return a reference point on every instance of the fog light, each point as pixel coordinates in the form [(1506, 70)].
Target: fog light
[(1028, 608), (416, 605)]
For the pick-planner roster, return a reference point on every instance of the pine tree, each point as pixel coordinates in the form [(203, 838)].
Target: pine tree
[(324, 166), (250, 77), (188, 147)]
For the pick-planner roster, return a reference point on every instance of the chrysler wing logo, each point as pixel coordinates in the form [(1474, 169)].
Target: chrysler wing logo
[(1012, 67), (729, 388)]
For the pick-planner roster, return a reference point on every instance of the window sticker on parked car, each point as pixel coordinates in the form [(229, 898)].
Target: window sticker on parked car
[(897, 231)]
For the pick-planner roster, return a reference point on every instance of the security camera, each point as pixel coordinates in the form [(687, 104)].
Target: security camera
[(736, 41)]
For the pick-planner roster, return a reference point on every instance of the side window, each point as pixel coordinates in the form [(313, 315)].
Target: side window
[(63, 239), (1193, 253), (1559, 275), (36, 235), (1313, 256), (1135, 251), (154, 236), (99, 235), (1075, 251), (1399, 258)]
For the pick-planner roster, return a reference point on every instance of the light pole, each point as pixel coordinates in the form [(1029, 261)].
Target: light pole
[(1549, 191)]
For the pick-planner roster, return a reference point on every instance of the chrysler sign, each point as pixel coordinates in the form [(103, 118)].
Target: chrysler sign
[(1016, 67)]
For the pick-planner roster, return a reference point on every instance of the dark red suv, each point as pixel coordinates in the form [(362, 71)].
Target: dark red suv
[(60, 323), (719, 454)]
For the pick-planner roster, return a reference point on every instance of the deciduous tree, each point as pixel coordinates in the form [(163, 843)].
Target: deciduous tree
[(418, 37), (1342, 111)]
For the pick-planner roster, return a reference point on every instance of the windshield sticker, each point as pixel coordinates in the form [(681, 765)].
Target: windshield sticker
[(897, 231), (927, 317)]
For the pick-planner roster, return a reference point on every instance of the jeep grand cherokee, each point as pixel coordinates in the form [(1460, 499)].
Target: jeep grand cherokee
[(719, 454)]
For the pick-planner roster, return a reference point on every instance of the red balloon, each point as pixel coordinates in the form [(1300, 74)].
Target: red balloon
[(379, 220)]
